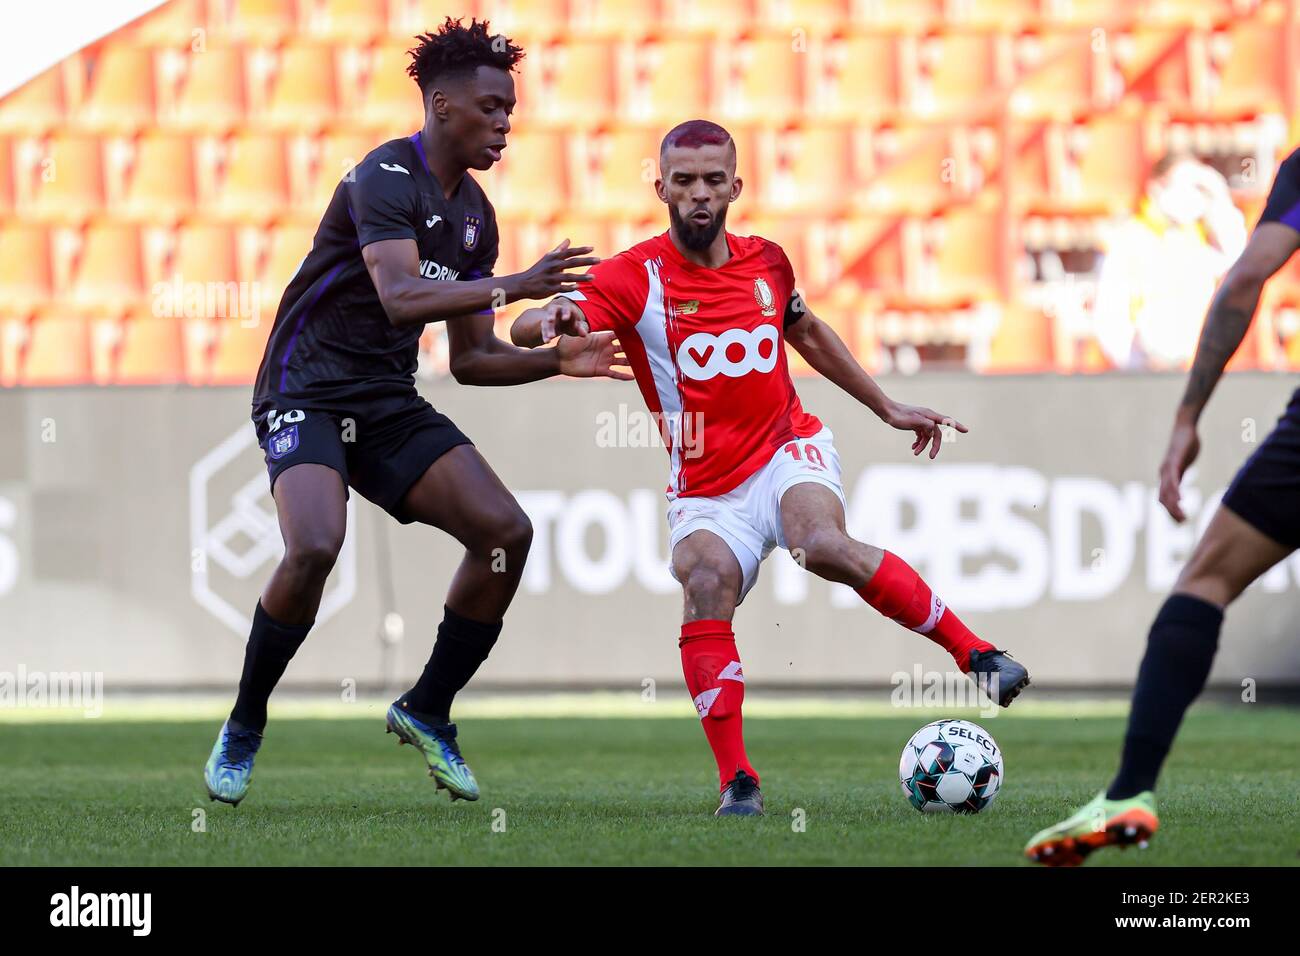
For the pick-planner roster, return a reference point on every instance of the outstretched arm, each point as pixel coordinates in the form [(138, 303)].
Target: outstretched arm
[(410, 299), (478, 357), (1230, 315), (826, 352)]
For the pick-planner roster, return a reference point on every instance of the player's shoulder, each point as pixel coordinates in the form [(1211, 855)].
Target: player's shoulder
[(476, 195), (391, 162), (765, 250)]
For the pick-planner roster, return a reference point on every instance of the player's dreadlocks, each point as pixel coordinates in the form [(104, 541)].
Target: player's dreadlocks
[(457, 48)]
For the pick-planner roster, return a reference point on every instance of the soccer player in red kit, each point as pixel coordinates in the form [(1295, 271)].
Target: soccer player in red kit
[(703, 317)]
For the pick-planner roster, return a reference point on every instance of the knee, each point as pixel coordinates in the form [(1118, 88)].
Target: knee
[(312, 557), (818, 550), (512, 535), (707, 586)]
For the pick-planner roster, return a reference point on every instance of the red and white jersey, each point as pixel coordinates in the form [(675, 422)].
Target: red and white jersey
[(707, 347)]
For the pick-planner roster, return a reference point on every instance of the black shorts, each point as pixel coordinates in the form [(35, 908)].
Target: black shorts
[(1266, 491), (380, 447)]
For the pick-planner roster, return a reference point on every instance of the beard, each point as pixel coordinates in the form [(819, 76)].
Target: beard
[(693, 237)]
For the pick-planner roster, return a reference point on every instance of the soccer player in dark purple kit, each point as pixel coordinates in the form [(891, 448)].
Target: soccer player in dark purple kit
[(407, 239)]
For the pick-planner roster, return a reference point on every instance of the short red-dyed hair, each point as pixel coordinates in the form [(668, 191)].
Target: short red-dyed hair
[(695, 133)]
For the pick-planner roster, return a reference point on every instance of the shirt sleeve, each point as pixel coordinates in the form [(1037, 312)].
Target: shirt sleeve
[(610, 300), (795, 308), (383, 201), (1284, 198)]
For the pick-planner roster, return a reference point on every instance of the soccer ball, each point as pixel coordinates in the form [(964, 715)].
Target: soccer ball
[(950, 766)]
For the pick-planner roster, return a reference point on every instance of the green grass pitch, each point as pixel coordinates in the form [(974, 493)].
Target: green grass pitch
[(620, 790)]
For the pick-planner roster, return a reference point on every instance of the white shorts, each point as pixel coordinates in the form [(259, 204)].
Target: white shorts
[(748, 517)]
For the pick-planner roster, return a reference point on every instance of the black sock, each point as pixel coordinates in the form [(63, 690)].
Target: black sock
[(271, 645), (1180, 650), (462, 645)]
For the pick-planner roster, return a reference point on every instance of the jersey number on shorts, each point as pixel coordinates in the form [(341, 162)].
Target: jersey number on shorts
[(810, 451)]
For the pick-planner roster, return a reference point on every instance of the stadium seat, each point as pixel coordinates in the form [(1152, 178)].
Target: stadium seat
[(209, 94), (25, 269), (804, 19), (805, 169), (1155, 65), (896, 16), (714, 18), (334, 157), (238, 351), (57, 352), (853, 79), (172, 24), (160, 186), (524, 21), (1022, 343), (255, 187), (662, 77), (530, 179), (64, 182), (261, 22), (908, 169), (205, 253), (121, 91), (948, 75), (759, 80), (286, 247), (108, 276), (612, 173), (389, 98), (958, 257), (1096, 166), (37, 106), (344, 21), (151, 352), (1248, 69), (302, 96), (571, 84), (614, 19), (6, 177), (1059, 76)]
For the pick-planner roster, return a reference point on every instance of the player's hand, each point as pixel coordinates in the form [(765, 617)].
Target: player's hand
[(562, 317), (925, 422), (550, 275), (597, 355), (1184, 446)]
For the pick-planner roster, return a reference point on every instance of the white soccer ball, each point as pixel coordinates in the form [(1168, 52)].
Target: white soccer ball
[(951, 766)]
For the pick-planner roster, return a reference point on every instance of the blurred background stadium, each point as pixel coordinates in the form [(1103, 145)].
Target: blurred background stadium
[(945, 176)]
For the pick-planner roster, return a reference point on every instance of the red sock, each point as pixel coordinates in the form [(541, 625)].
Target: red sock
[(898, 592), (714, 678)]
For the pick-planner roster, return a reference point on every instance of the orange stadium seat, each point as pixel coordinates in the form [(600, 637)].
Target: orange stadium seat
[(959, 256), (906, 169), (390, 98), (571, 84), (6, 176), (1059, 76), (210, 95), (665, 81), (65, 181), (948, 75), (174, 23), (805, 169), (1022, 342), (263, 22), (896, 16), (205, 253), (615, 19), (25, 270), (530, 179), (160, 187), (344, 21), (286, 247), (1155, 65), (717, 18), (57, 352), (109, 275), (524, 21), (303, 95), (256, 185), (238, 351), (854, 78), (759, 80), (1248, 69), (874, 254), (335, 156), (151, 352), (1097, 165), (121, 91), (811, 17), (37, 106), (613, 172)]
